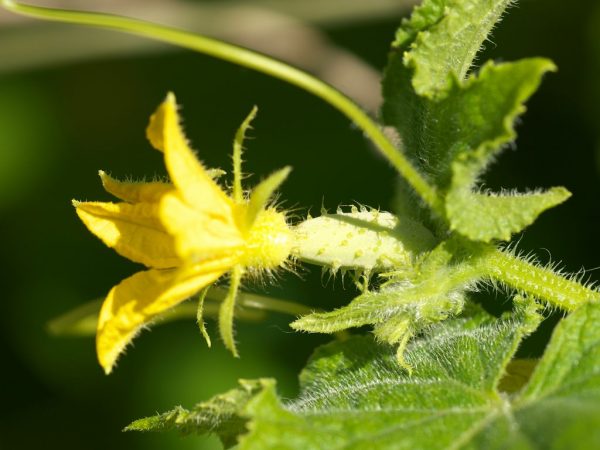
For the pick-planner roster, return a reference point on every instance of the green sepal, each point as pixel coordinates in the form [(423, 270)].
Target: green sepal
[(200, 316), (238, 150), (263, 193), (227, 310)]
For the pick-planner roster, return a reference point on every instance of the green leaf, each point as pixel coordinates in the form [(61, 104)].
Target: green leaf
[(353, 394), (442, 37), (563, 394), (457, 135), (436, 46), (471, 124), (220, 415), (478, 120), (478, 116), (439, 111), (486, 217)]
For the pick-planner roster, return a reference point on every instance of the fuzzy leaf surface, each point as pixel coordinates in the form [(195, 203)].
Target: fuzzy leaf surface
[(457, 136), (478, 115), (443, 37), (561, 403), (434, 47), (354, 395)]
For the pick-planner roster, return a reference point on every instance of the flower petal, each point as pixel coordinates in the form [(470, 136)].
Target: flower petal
[(135, 301), (199, 235), (188, 175), (134, 231), (132, 192)]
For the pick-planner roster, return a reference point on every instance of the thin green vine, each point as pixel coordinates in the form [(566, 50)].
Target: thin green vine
[(252, 60)]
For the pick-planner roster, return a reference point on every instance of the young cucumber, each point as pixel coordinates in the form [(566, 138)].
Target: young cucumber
[(362, 239)]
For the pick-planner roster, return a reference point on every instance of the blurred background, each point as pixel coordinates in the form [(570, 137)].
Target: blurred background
[(75, 100)]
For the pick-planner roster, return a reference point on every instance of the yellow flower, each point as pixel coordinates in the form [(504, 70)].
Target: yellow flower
[(188, 233)]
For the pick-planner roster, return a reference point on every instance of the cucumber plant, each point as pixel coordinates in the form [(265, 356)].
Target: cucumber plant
[(436, 370)]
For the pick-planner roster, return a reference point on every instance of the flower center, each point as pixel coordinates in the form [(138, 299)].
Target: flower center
[(269, 241)]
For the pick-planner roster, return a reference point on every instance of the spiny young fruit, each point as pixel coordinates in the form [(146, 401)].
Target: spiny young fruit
[(361, 239)]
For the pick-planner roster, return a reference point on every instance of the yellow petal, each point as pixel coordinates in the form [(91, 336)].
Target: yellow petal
[(188, 175), (134, 192), (135, 301), (199, 235), (134, 231)]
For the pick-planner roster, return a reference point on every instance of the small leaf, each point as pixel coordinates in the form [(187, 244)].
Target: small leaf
[(442, 37), (220, 415), (487, 217), (429, 97), (435, 46), (462, 132), (398, 310), (479, 115)]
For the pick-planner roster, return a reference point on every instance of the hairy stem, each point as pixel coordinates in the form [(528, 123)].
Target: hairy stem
[(255, 61), (540, 282)]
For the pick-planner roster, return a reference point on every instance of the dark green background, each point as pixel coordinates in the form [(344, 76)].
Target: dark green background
[(59, 125)]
